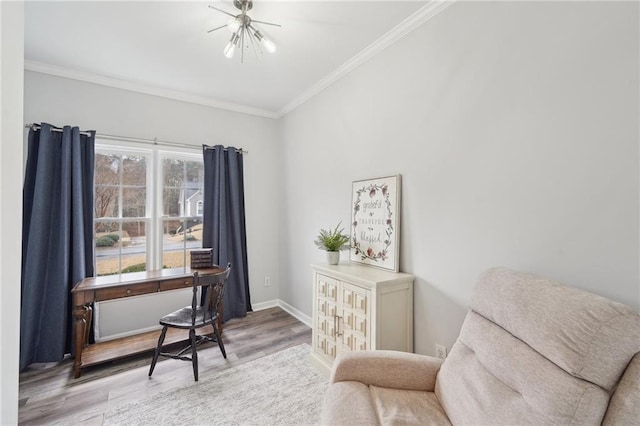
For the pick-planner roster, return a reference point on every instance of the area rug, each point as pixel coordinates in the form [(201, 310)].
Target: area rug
[(278, 389)]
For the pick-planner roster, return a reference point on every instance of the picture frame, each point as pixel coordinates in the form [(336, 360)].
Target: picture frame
[(375, 222)]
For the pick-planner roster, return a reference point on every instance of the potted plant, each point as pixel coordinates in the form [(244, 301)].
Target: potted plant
[(332, 240)]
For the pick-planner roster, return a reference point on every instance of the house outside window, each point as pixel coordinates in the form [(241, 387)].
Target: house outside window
[(148, 208)]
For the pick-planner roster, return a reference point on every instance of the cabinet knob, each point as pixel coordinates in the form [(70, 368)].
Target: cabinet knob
[(128, 291)]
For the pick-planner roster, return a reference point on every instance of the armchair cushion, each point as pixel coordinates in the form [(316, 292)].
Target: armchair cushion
[(574, 329), (408, 407), (387, 369), (348, 403), (492, 377)]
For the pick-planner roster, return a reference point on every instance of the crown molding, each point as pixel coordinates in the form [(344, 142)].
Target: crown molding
[(45, 68), (418, 18)]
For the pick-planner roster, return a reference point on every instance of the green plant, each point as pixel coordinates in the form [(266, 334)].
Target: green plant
[(332, 239), (138, 267), (104, 242), (114, 237)]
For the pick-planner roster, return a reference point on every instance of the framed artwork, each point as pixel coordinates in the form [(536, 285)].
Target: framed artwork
[(375, 222)]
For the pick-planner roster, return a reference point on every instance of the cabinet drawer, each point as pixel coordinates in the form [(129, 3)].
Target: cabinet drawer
[(176, 284), (120, 292)]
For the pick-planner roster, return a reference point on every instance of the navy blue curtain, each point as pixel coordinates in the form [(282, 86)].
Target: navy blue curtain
[(57, 238), (224, 224)]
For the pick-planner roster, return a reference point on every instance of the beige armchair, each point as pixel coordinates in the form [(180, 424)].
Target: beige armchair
[(530, 351)]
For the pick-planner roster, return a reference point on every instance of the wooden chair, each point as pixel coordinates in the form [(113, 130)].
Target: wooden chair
[(196, 316)]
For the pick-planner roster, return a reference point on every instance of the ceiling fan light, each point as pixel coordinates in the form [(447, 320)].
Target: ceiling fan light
[(268, 45), (243, 33), (233, 25), (230, 49)]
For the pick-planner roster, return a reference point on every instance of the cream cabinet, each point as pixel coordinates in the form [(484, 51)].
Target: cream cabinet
[(358, 307)]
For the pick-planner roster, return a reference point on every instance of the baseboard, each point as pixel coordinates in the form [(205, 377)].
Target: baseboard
[(303, 318), (265, 305)]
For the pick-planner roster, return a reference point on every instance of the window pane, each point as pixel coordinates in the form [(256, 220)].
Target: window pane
[(134, 202), (106, 202), (107, 169), (107, 248), (173, 253), (192, 198), (172, 173), (134, 246), (194, 233), (195, 173), (120, 247), (172, 204), (134, 170)]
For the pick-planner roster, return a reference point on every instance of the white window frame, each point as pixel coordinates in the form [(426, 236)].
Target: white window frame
[(154, 185)]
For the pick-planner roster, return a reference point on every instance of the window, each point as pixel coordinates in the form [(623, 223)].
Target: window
[(121, 221), (148, 209), (182, 194)]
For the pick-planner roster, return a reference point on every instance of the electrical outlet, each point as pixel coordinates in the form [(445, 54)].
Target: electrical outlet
[(441, 351), (267, 281)]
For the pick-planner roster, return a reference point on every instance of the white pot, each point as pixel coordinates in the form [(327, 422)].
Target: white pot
[(333, 257)]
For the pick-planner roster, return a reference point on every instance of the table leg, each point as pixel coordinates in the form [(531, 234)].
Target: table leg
[(80, 316)]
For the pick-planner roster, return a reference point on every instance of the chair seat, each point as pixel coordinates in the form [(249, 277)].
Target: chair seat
[(182, 318)]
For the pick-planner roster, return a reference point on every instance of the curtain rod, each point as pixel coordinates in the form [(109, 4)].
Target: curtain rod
[(154, 141)]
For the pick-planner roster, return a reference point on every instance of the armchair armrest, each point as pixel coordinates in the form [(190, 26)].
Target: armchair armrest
[(389, 369)]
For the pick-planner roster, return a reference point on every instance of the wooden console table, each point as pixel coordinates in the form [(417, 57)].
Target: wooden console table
[(110, 287)]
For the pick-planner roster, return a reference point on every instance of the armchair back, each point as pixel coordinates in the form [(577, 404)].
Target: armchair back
[(532, 351)]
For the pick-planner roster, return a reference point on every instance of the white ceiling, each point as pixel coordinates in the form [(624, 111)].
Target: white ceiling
[(163, 47)]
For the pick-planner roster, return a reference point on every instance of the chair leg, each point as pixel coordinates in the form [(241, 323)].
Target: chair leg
[(219, 339), (156, 354), (194, 353)]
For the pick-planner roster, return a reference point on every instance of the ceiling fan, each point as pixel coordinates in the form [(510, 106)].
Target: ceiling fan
[(243, 31)]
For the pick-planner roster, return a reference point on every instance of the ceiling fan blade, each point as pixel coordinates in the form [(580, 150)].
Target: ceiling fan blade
[(223, 11), (266, 23), (221, 26)]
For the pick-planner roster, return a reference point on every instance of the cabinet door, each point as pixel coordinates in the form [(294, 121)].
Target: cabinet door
[(355, 324), (327, 299)]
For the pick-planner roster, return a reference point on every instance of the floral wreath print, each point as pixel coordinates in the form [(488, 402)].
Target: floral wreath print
[(370, 253)]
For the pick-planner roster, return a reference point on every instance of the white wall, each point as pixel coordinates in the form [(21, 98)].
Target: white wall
[(11, 98), (515, 128), (62, 101)]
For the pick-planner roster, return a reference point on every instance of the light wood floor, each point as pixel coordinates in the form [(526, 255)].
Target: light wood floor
[(50, 395)]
